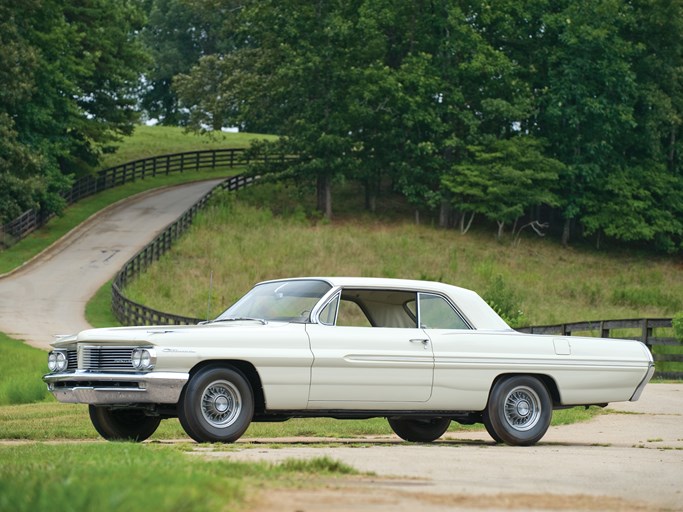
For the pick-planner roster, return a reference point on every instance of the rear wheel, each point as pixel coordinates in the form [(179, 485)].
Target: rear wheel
[(217, 405), (519, 411), (123, 424), (419, 430)]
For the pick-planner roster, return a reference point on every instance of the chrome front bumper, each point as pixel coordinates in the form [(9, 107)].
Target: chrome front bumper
[(116, 388)]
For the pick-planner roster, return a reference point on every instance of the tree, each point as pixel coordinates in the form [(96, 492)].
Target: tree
[(423, 94), (290, 76), (177, 34), (67, 84), (588, 104), (504, 179)]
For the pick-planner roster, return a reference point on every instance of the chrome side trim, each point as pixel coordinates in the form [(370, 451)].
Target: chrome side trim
[(116, 388)]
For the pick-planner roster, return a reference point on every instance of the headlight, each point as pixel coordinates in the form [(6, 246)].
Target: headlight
[(56, 361), (143, 358)]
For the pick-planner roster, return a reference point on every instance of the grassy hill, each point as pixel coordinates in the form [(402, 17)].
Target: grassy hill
[(270, 231), (149, 141)]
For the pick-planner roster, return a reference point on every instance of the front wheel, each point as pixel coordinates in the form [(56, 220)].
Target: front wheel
[(217, 405), (123, 424), (419, 430), (519, 411)]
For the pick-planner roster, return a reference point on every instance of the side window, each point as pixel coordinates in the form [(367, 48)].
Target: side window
[(351, 315), (329, 312), (437, 313)]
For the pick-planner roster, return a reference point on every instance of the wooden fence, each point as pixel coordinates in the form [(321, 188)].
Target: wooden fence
[(145, 168), (641, 329)]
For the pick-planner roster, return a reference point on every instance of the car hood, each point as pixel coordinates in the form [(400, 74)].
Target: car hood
[(163, 334)]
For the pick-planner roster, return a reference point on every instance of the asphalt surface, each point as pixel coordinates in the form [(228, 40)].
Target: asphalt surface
[(48, 295), (631, 459)]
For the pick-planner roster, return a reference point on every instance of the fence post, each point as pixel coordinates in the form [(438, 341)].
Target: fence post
[(647, 333), (604, 333)]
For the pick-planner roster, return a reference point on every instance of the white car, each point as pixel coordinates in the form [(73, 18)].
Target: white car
[(421, 354)]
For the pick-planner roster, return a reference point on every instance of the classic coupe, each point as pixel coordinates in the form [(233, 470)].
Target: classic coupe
[(420, 354)]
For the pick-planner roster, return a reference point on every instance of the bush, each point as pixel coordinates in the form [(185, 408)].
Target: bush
[(504, 301), (677, 323)]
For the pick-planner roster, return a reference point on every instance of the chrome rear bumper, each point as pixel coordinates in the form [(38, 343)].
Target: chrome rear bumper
[(641, 386)]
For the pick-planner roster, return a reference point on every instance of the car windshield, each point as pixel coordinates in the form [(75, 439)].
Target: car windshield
[(282, 301)]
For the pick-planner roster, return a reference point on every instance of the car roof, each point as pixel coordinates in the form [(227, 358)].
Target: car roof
[(477, 311)]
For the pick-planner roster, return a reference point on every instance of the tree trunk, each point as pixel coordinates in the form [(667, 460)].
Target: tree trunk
[(672, 149), (370, 196), (324, 195), (501, 226), (445, 214), (566, 232), (465, 228)]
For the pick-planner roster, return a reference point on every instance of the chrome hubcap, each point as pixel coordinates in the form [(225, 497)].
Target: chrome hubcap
[(221, 403), (522, 408)]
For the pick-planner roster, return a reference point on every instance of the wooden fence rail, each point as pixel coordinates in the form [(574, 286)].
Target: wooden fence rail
[(189, 161)]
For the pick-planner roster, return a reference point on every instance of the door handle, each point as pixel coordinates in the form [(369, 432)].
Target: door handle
[(424, 341)]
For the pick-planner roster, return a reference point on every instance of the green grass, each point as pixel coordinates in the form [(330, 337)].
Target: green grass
[(149, 141), (51, 421), (267, 232), (21, 369), (98, 312), (125, 477)]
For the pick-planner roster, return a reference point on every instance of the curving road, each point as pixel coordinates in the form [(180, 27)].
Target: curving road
[(48, 295)]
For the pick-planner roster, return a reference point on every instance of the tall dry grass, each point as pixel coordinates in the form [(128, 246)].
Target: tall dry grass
[(266, 233)]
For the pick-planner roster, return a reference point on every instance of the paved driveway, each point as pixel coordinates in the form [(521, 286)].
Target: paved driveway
[(48, 296), (631, 459)]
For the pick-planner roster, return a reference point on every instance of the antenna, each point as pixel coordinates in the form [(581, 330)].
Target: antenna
[(208, 306)]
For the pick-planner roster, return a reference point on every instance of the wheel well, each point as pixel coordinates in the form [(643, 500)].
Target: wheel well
[(247, 369), (547, 380)]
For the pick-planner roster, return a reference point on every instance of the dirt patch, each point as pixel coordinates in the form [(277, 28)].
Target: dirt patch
[(379, 496)]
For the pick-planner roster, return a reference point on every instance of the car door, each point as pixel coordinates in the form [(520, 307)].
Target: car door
[(380, 358)]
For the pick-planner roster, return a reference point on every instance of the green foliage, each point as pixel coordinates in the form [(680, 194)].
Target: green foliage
[(21, 369), (503, 179), (67, 93), (492, 110), (504, 301), (677, 323), (177, 33)]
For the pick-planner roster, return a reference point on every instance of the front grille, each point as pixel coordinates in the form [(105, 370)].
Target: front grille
[(105, 358), (72, 359)]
